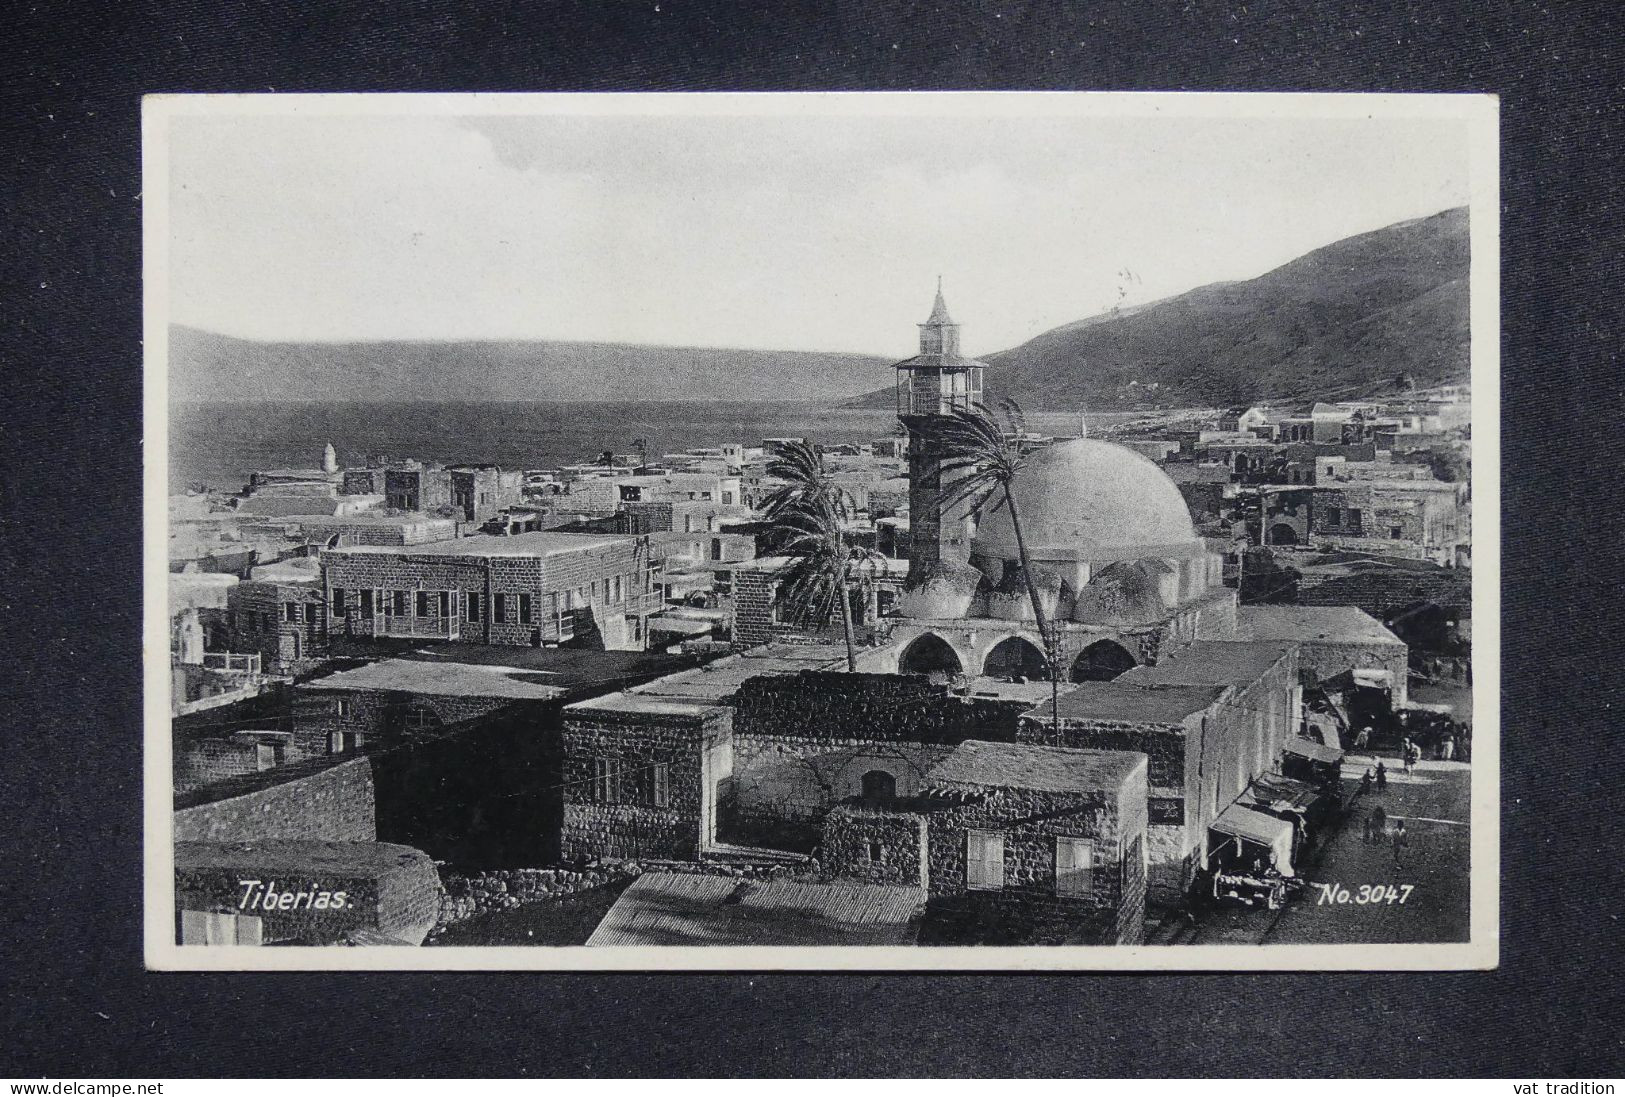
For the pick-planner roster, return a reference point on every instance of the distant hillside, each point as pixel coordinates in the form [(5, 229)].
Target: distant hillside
[(208, 367), (1346, 320)]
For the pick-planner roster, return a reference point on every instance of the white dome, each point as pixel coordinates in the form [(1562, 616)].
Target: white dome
[(1093, 501)]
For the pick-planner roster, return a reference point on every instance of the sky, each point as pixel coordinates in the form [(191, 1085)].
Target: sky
[(805, 230)]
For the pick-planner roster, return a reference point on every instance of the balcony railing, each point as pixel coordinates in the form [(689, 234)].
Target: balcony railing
[(232, 662), (419, 628)]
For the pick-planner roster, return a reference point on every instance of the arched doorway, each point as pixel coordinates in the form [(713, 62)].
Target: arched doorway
[(929, 654), (879, 785), (1102, 661), (1283, 534), (1015, 657)]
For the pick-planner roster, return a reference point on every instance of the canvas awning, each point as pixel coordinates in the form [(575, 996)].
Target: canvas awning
[(681, 625), (1283, 793), (1241, 821), (1315, 752)]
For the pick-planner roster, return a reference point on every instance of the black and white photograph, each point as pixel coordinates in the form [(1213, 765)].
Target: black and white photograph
[(865, 531)]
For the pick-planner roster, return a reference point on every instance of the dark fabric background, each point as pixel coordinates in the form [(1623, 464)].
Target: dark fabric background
[(77, 1001)]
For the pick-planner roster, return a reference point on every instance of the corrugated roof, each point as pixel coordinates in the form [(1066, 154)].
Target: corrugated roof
[(673, 909), (1020, 765)]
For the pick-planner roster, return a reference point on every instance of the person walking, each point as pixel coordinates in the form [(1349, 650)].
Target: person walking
[(1447, 749), (1365, 781), (1382, 777), (1362, 738), (1401, 840)]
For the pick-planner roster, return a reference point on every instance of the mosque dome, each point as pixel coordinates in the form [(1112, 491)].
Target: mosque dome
[(1090, 500)]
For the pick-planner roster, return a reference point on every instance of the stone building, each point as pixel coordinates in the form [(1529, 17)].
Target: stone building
[(1121, 572), (1016, 843), (282, 618), (530, 589), (1333, 642), (421, 488), (481, 492), (304, 892)]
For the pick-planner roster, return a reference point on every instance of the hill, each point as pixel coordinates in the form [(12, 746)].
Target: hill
[(204, 366), (1346, 320)]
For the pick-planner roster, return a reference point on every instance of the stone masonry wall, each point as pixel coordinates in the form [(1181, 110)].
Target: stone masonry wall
[(628, 823), (334, 804), (852, 833)]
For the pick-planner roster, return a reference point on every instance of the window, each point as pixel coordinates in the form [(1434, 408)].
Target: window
[(876, 852), (264, 756), (311, 610), (659, 785), (716, 548), (727, 498), (400, 600), (338, 602), (616, 596), (471, 602), (341, 706), (984, 860), (445, 603), (595, 592), (342, 742), (499, 608), (1074, 866), (606, 774), (266, 624), (419, 718), (205, 927), (366, 605), (1393, 533), (422, 607), (290, 610), (524, 609), (1334, 516)]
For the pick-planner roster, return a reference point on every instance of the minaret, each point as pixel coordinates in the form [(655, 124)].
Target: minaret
[(932, 385), (330, 459)]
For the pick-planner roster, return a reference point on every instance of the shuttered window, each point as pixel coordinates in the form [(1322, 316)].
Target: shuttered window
[(472, 601), (499, 608), (1074, 866), (984, 860), (524, 609), (659, 785)]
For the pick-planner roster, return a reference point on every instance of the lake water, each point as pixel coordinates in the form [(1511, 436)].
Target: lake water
[(219, 444)]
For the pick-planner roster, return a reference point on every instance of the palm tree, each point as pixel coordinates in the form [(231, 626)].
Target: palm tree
[(982, 462), (809, 513)]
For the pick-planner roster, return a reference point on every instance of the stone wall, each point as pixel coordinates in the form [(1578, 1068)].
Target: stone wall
[(257, 614), (783, 785), (838, 706), (375, 717), (1171, 750), (311, 800), (877, 846), (389, 889), (619, 816)]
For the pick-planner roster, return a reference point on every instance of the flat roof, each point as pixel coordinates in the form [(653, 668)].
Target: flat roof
[(717, 682), (684, 909), (1212, 661), (1346, 624), (1129, 703), (539, 543), (494, 670), (1022, 765), (368, 860)]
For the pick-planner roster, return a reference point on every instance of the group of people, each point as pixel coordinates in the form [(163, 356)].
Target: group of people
[(1376, 820)]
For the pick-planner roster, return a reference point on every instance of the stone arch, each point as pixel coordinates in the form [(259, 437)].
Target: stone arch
[(1283, 534), (1102, 661), (878, 784), (1013, 656), (929, 654)]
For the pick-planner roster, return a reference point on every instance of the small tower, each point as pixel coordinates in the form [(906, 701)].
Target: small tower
[(330, 459), (935, 383)]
